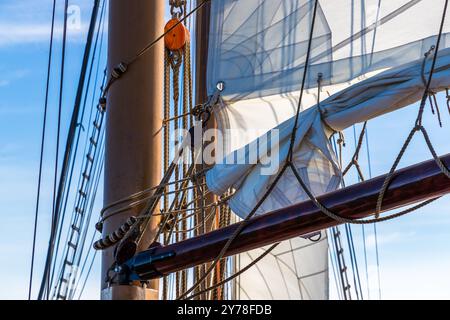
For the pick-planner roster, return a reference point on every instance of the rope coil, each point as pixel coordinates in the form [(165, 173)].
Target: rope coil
[(115, 236)]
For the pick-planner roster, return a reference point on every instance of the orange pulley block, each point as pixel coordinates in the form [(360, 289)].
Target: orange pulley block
[(177, 37)]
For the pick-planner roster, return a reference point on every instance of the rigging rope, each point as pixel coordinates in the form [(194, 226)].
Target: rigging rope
[(289, 164), (179, 206), (375, 231), (92, 238), (41, 158), (274, 183), (68, 149), (122, 67), (333, 266), (45, 285), (363, 227), (391, 173), (82, 177), (354, 161), (306, 189), (354, 263), (236, 274), (349, 238), (84, 174), (182, 20), (418, 125)]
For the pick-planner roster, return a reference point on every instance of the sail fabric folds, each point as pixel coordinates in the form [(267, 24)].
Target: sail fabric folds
[(249, 119), (313, 155), (258, 47), (297, 269)]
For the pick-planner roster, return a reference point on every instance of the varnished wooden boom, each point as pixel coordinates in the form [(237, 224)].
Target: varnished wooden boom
[(410, 185)]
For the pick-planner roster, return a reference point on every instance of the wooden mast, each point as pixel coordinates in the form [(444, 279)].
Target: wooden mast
[(133, 122)]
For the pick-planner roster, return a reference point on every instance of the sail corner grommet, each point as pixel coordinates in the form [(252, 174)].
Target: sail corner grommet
[(220, 86)]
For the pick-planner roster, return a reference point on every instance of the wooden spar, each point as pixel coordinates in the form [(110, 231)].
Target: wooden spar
[(133, 123), (410, 185)]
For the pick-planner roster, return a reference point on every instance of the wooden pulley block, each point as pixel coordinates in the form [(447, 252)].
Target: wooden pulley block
[(177, 37)]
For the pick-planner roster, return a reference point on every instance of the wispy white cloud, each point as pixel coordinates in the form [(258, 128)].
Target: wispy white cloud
[(29, 22), (13, 34)]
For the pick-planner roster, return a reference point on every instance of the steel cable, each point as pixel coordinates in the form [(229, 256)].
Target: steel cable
[(44, 125)]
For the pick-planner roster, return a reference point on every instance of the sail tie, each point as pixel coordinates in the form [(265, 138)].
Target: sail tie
[(354, 161), (430, 93)]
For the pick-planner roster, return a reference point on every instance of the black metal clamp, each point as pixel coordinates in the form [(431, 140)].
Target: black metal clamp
[(141, 267)]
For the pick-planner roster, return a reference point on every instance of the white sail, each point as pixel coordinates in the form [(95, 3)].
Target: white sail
[(258, 49), (314, 158), (296, 269)]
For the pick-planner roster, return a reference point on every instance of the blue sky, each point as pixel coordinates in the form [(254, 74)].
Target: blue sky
[(24, 40), (414, 255)]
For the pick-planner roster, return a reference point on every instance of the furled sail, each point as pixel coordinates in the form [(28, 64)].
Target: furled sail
[(314, 158), (258, 50)]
